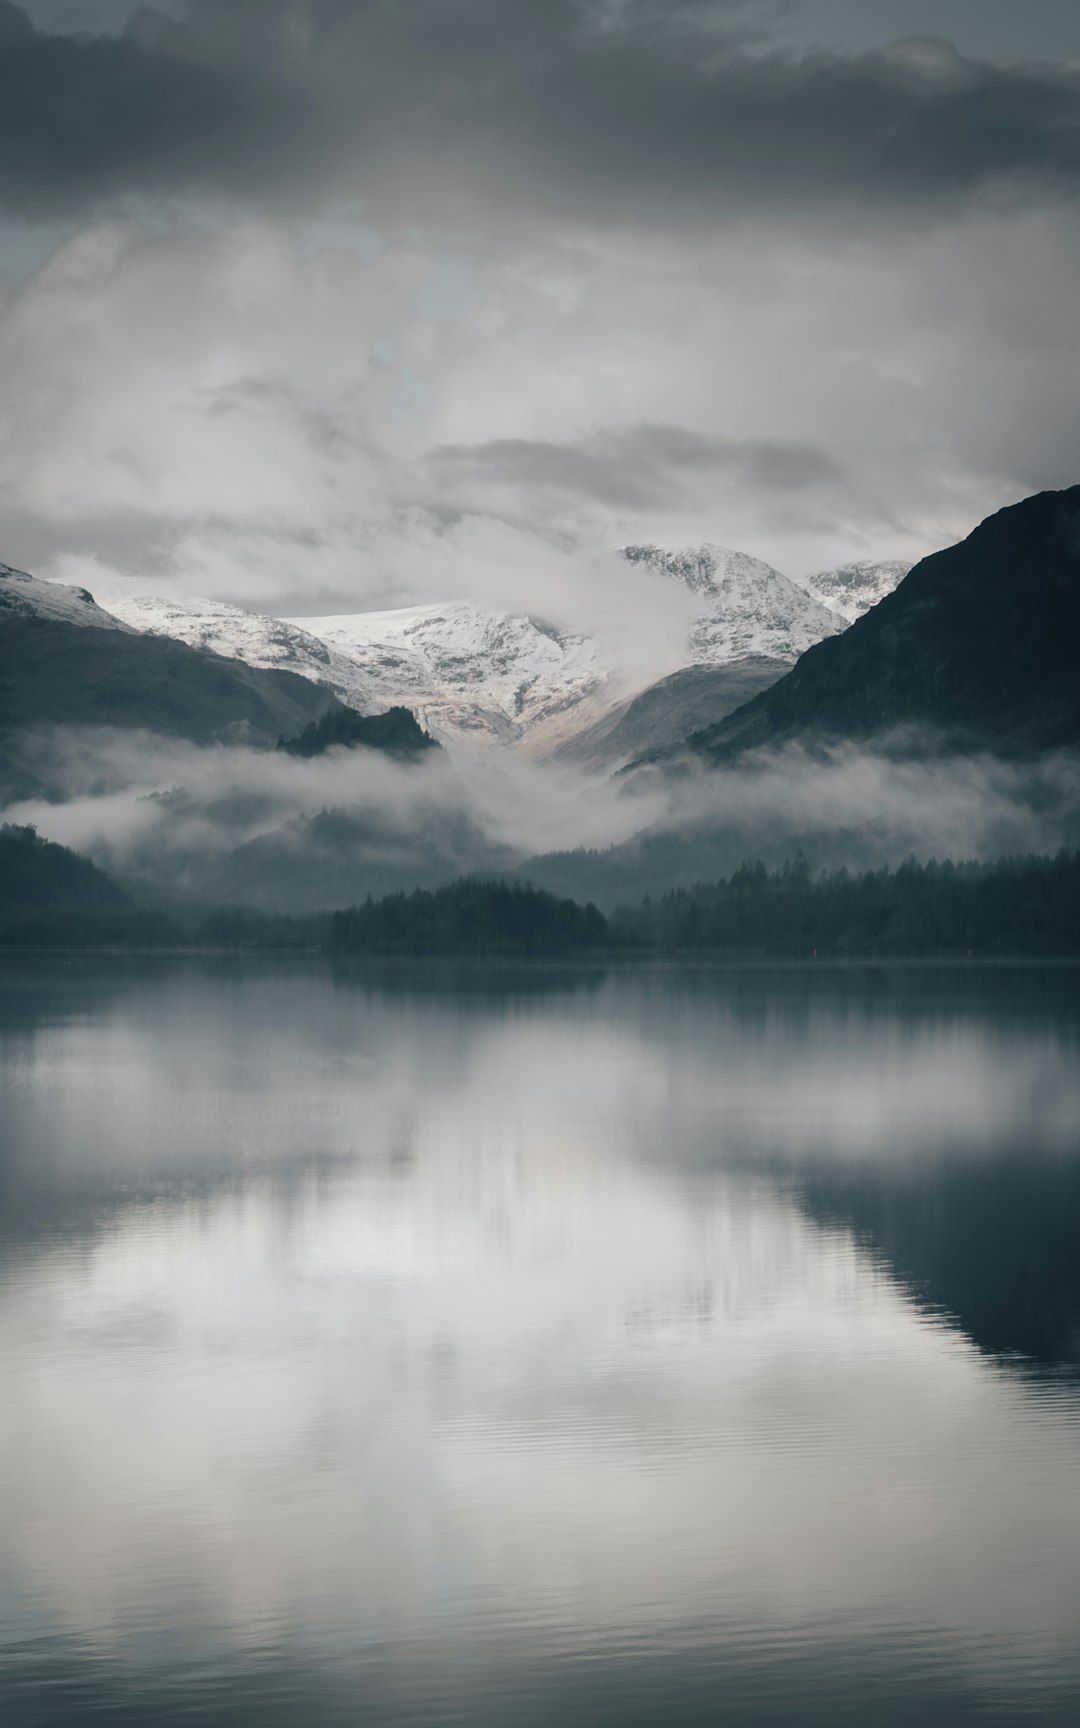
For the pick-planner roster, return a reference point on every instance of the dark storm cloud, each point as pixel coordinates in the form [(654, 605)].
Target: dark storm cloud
[(86, 119), (523, 105), (640, 466)]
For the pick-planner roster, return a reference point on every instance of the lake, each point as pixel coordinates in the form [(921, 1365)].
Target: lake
[(635, 1345)]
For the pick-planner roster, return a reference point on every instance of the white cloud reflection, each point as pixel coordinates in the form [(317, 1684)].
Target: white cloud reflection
[(499, 1321)]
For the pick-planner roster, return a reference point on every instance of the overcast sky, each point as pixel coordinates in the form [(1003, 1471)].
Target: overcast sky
[(322, 304)]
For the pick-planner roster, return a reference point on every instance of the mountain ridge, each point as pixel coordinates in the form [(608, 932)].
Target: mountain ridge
[(978, 647), (477, 675), (667, 713), (65, 660)]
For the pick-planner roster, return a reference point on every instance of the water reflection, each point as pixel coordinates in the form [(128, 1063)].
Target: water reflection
[(615, 1346), (992, 1246)]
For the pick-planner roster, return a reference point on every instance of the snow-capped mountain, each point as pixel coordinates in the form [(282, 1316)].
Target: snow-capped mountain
[(474, 675), (746, 607), (467, 672), (258, 640), (27, 596), (851, 589)]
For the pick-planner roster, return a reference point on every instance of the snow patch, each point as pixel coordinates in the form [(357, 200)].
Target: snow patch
[(25, 596), (851, 589)]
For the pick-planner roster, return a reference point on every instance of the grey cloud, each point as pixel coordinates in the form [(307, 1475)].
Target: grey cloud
[(537, 464), (88, 119), (91, 17), (771, 464), (641, 467), (843, 808), (451, 106)]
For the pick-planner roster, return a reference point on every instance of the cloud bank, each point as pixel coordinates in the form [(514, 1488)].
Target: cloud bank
[(662, 114), (314, 305)]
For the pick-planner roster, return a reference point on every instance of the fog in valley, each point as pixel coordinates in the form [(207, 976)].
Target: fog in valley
[(262, 828)]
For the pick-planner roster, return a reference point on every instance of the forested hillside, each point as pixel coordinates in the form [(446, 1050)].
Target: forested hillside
[(1014, 907), (469, 917)]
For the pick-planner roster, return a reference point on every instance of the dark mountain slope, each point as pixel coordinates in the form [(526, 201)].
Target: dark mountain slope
[(60, 673), (665, 714), (36, 875), (979, 645), (53, 898)]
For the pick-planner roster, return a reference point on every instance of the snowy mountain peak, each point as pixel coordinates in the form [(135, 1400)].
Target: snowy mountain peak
[(705, 569), (747, 607), (468, 674), (851, 589), (26, 596), (466, 671)]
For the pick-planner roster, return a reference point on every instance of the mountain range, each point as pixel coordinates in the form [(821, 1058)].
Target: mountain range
[(472, 675), (972, 654), (976, 644)]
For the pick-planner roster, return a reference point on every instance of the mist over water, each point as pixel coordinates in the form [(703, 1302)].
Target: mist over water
[(450, 1345)]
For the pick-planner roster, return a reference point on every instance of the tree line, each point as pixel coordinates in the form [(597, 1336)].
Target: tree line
[(1017, 906), (50, 898), (468, 917)]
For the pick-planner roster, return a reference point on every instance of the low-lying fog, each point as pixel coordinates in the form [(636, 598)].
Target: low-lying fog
[(266, 829)]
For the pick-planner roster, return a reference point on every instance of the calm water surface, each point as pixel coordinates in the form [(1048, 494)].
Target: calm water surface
[(630, 1347)]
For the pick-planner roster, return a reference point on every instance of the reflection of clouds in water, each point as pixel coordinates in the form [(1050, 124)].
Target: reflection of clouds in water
[(272, 1068), (375, 1397), (473, 1317)]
